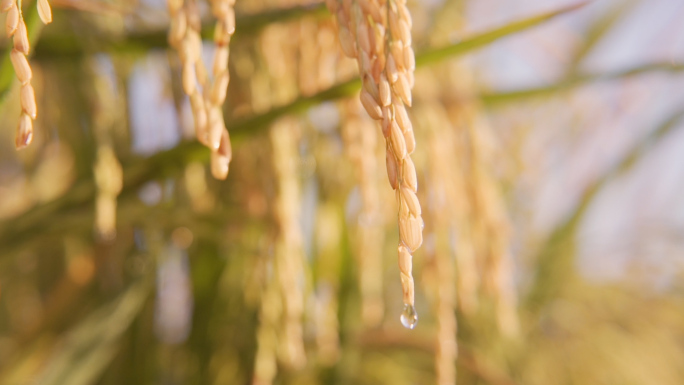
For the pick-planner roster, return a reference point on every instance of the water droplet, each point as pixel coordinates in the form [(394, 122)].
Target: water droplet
[(409, 317)]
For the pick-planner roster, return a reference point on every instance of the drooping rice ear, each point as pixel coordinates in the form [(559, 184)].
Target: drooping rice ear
[(387, 82)]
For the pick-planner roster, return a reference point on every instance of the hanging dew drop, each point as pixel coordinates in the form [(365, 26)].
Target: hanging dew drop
[(409, 317)]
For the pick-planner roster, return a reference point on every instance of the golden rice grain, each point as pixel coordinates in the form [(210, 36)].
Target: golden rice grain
[(411, 232), (332, 5), (371, 105), (408, 297), (12, 20), (220, 9), (405, 32), (216, 127), (28, 100), (177, 29), (402, 117), (403, 206), (24, 133), (409, 58), (174, 6), (397, 141), (229, 21), (394, 24), (409, 174), (21, 66), (411, 200), (384, 91), (44, 11), (363, 39), (5, 5), (397, 53), (194, 45), (392, 169), (405, 260), (391, 70), (347, 42), (220, 59), (220, 87), (220, 159), (405, 15), (21, 41), (365, 64), (221, 35), (201, 74), (189, 79), (201, 127), (405, 267), (410, 140), (197, 102), (403, 89), (370, 86), (387, 119), (199, 113), (186, 53)]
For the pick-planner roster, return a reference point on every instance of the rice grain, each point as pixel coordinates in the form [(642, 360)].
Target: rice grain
[(28, 100), (21, 41), (5, 5), (44, 11), (24, 133), (12, 20)]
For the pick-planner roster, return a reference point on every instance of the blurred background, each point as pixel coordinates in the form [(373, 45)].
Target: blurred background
[(550, 146)]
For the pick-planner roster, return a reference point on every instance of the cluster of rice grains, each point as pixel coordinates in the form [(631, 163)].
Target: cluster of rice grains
[(206, 94), (16, 28), (378, 35)]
